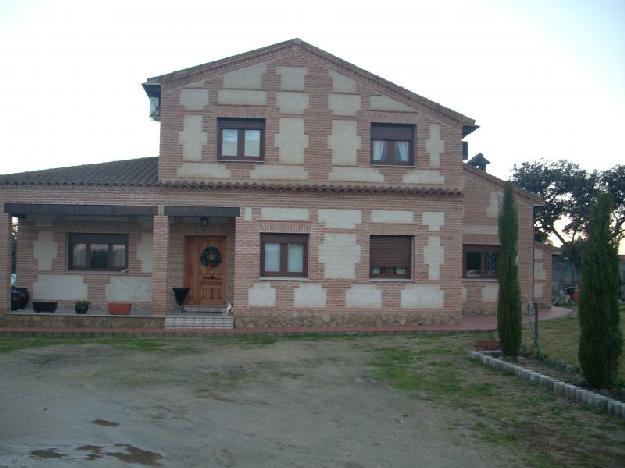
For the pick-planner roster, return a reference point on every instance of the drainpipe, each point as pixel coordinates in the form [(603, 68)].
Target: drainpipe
[(535, 210)]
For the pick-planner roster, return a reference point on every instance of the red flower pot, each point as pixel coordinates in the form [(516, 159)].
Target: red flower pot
[(488, 345), (119, 308)]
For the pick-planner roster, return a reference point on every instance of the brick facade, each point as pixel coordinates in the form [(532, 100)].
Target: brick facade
[(483, 196), (5, 262), (316, 179)]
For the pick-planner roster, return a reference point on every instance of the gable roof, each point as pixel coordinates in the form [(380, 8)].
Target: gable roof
[(153, 82), (497, 181), (130, 172)]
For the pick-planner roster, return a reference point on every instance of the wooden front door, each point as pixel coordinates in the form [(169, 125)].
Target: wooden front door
[(207, 283)]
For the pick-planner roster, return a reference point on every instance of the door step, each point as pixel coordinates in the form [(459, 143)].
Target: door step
[(199, 321), (203, 309)]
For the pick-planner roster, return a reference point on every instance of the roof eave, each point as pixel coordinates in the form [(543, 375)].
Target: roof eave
[(468, 129), (152, 88)]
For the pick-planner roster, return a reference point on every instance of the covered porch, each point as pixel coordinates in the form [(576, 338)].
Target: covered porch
[(117, 255)]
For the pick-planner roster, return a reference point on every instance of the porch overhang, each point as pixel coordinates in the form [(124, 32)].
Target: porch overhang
[(24, 209), (203, 211)]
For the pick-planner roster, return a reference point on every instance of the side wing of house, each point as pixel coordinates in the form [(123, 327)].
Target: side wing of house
[(543, 274), (480, 245)]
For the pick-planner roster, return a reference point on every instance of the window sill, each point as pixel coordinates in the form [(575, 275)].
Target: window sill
[(391, 280), (283, 278), (492, 280), (408, 166), (240, 161), (97, 272)]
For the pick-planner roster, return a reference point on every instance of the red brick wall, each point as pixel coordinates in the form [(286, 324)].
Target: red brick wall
[(318, 122), (5, 262), (543, 266), (466, 221), (480, 228), (27, 270), (245, 242)]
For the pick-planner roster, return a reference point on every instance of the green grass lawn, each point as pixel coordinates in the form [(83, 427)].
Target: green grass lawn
[(559, 339)]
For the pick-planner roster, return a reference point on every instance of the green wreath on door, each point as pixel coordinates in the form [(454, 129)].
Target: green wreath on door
[(211, 257)]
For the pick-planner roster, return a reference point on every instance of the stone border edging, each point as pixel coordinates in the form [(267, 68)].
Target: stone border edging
[(572, 392)]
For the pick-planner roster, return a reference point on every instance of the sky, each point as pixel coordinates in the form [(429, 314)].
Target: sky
[(543, 79)]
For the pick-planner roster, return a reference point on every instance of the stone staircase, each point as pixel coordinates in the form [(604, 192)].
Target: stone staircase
[(200, 317), (199, 321)]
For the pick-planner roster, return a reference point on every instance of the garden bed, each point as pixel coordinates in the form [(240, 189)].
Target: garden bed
[(592, 398)]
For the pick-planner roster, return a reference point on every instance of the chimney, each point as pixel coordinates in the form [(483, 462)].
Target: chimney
[(479, 162)]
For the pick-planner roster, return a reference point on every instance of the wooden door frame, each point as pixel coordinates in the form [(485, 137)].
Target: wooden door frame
[(226, 277)]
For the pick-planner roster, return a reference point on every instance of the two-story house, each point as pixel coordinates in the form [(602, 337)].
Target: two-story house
[(291, 184)]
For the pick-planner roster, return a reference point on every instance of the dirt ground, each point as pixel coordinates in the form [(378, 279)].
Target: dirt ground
[(267, 402)]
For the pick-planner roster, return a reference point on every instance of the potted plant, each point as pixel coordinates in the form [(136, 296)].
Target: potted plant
[(45, 306), (119, 308), (19, 298), (81, 307), (491, 343), (488, 345)]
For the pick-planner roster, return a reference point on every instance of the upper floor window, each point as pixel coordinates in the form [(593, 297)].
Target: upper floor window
[(284, 255), (480, 261), (241, 139), (392, 144), (98, 252), (390, 256)]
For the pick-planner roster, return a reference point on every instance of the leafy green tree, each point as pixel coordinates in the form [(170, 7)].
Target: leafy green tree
[(600, 341), (613, 182), (556, 184), (569, 193), (509, 321)]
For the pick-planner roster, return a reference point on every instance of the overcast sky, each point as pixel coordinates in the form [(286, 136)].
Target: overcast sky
[(542, 78)]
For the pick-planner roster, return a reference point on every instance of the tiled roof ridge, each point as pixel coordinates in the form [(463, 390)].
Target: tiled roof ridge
[(311, 187)]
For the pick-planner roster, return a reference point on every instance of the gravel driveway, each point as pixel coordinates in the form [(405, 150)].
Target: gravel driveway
[(237, 403), (201, 403)]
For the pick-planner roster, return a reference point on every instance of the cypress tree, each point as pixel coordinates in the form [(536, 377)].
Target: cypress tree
[(600, 341), (509, 309)]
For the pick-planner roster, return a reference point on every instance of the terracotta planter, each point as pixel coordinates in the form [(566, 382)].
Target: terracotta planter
[(119, 308), (488, 345)]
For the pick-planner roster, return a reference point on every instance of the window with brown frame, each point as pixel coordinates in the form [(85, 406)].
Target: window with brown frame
[(392, 144), (241, 139), (390, 256), (108, 252), (480, 261), (284, 255)]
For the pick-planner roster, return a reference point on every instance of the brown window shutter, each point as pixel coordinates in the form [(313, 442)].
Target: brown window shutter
[(392, 132), (391, 251)]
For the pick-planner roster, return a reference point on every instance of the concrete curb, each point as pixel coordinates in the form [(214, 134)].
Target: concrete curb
[(564, 389)]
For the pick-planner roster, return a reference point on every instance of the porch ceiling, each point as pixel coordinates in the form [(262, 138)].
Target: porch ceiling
[(23, 209), (203, 211)]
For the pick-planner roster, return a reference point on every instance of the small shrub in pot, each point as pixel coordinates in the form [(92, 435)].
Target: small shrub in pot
[(81, 307)]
